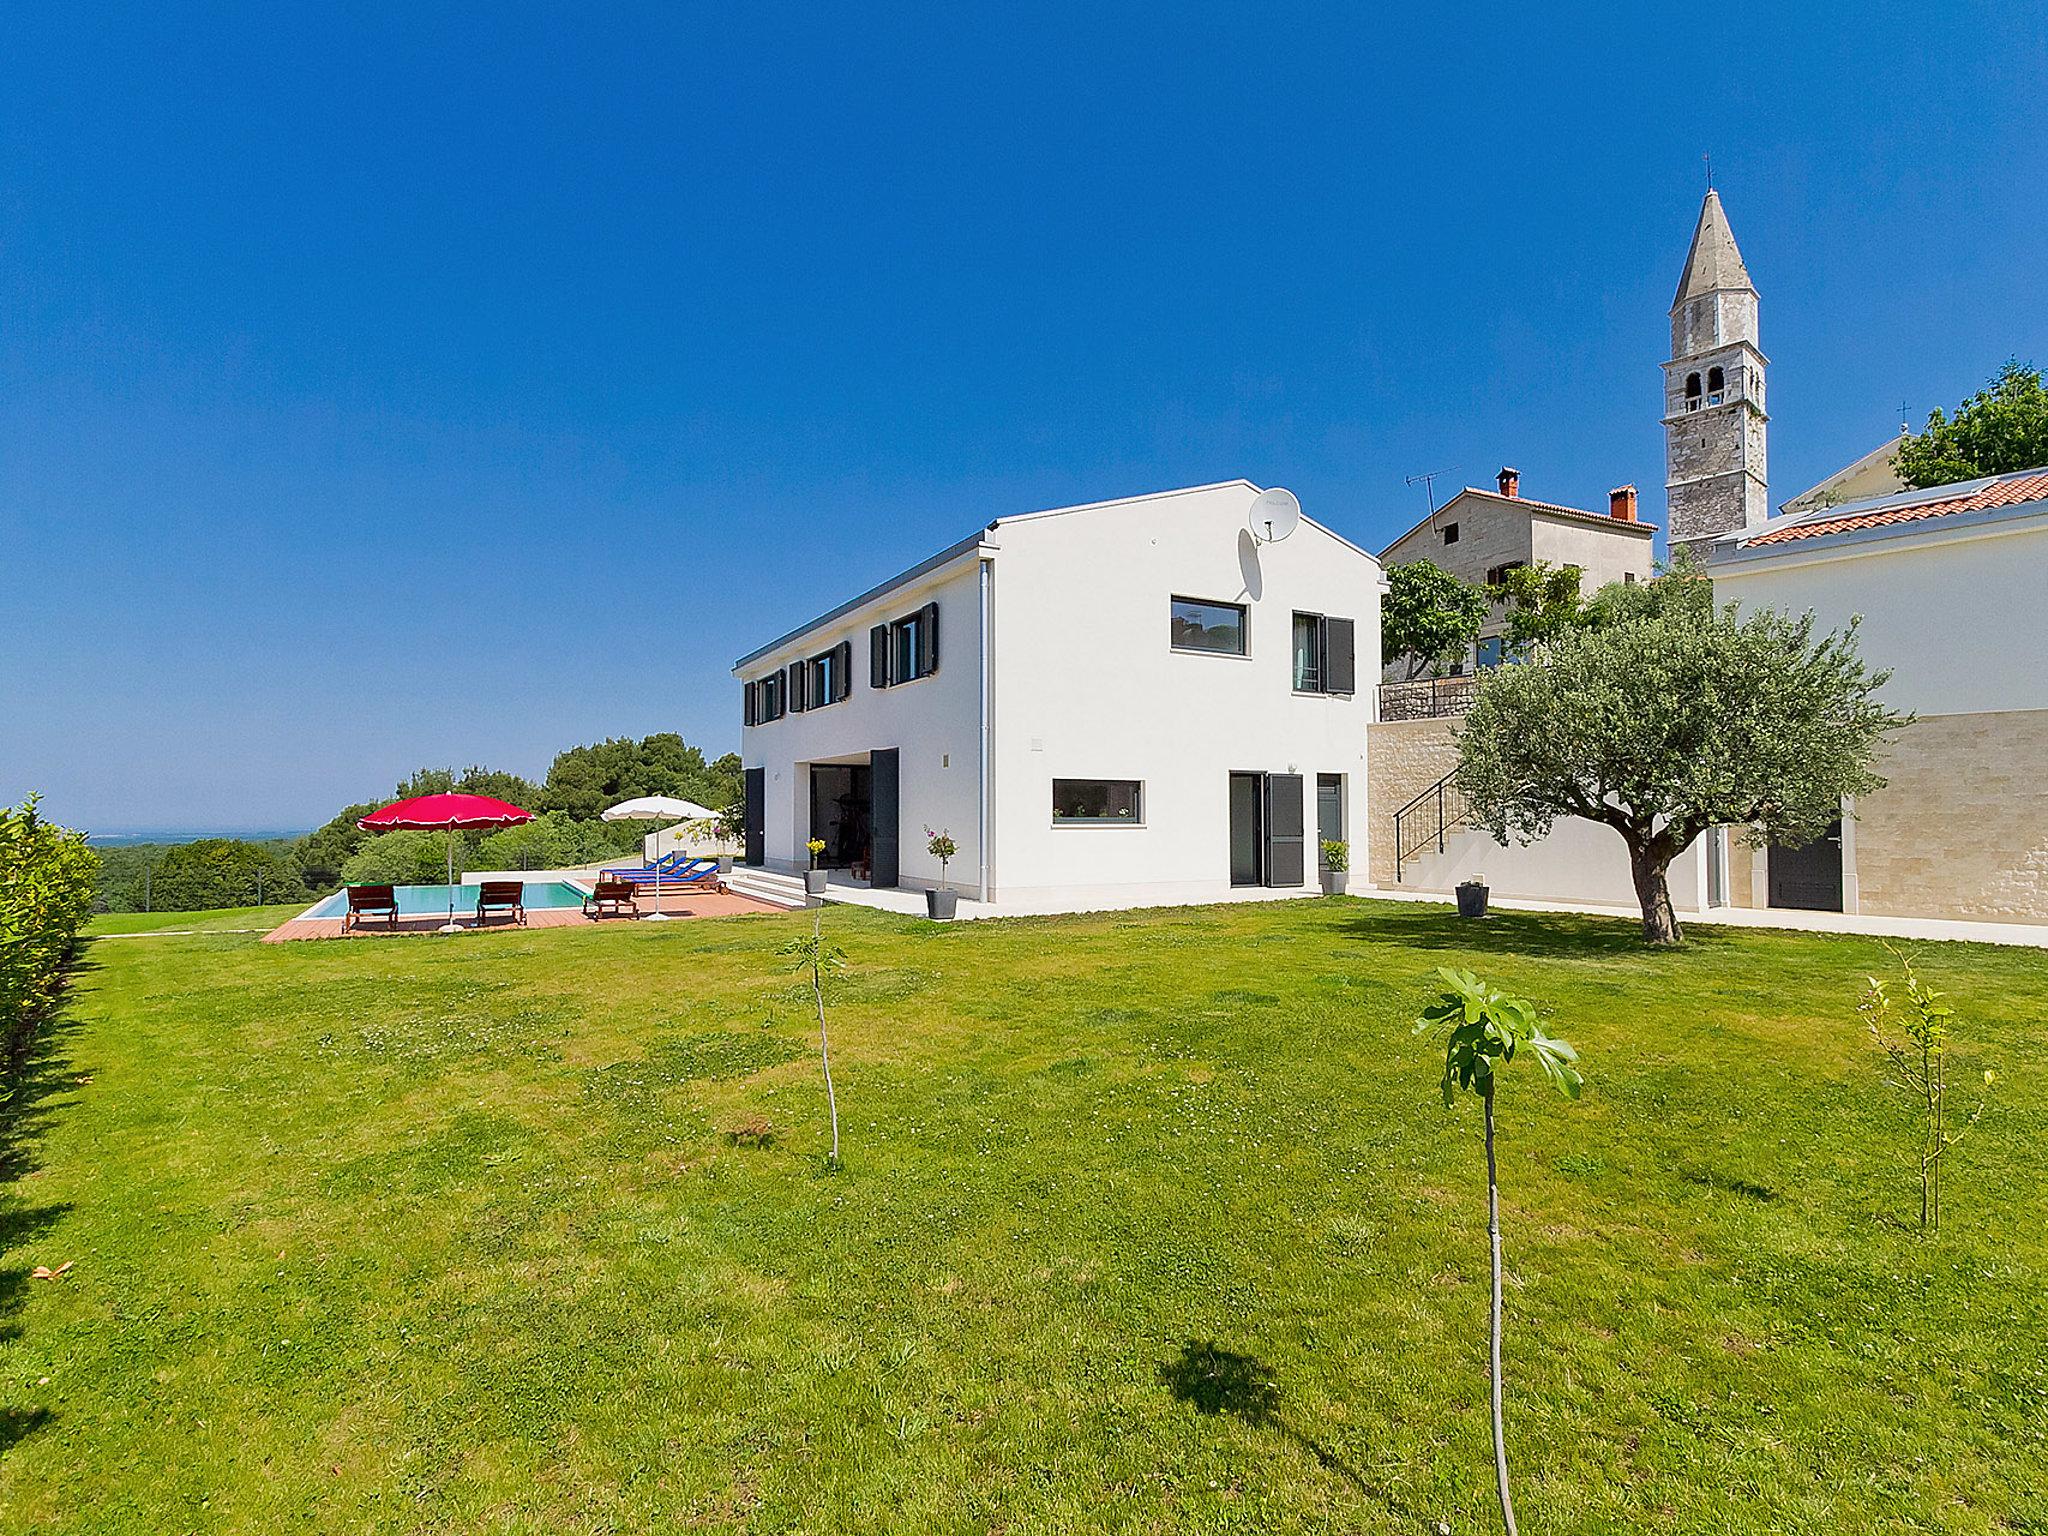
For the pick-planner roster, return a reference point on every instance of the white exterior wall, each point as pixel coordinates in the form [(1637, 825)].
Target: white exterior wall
[(934, 722), (1087, 685), (1959, 615), (1578, 860)]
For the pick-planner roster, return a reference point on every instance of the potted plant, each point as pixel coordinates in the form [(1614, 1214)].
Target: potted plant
[(729, 826), (814, 877), (1472, 896), (1336, 866), (941, 903)]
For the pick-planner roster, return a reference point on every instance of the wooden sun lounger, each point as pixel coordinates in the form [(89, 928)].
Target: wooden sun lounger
[(368, 901), (616, 897), (501, 896)]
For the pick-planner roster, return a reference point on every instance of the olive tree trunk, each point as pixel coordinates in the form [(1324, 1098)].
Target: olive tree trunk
[(1646, 866)]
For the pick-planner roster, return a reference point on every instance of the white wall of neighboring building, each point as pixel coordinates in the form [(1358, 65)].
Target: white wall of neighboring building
[(1089, 686), (1959, 614)]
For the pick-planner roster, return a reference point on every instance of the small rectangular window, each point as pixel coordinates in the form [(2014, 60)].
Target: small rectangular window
[(1497, 574), (1197, 625), (1491, 652), (769, 696), (1111, 802), (1450, 533), (1308, 653), (913, 645), (824, 679)]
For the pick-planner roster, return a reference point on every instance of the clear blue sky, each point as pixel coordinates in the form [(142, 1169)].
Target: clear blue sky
[(379, 390)]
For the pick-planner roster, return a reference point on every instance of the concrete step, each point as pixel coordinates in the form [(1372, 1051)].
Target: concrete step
[(767, 885)]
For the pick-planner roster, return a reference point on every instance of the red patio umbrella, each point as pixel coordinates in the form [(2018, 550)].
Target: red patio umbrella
[(451, 813)]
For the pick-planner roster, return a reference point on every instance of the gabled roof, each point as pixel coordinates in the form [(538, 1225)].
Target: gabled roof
[(1994, 493), (1524, 504), (1876, 468), (1713, 264)]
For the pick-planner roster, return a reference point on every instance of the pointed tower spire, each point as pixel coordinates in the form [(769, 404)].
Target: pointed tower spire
[(1714, 416), (1713, 265)]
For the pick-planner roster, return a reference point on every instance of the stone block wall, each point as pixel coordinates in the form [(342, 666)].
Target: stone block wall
[(1402, 759)]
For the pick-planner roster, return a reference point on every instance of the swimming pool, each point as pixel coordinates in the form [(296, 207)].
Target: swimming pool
[(421, 900)]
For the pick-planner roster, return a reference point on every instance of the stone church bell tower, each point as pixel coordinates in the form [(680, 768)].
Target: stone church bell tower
[(1714, 417)]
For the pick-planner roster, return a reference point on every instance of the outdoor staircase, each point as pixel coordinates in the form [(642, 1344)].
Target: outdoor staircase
[(771, 886), (1422, 824)]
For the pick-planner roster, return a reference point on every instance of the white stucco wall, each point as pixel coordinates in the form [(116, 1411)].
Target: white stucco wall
[(1578, 861), (1959, 615), (1087, 685), (934, 722)]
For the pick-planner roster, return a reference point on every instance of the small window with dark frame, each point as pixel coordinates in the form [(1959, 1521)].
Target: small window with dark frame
[(1450, 533), (1099, 802), (1200, 625), (769, 693)]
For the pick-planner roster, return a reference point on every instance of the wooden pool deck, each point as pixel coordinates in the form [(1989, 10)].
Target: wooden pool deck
[(675, 904)]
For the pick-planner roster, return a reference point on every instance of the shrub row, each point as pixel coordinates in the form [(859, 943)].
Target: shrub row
[(47, 878)]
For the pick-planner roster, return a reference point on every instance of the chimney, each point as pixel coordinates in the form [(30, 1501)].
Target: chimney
[(1510, 483), (1621, 503)]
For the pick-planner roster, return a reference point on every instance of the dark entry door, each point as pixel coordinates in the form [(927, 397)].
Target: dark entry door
[(754, 816), (884, 815), (1247, 840), (1809, 878), (1285, 864), (1329, 812)]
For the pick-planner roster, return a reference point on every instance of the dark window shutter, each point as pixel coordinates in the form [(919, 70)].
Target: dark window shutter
[(753, 815), (842, 670), (928, 640), (750, 709), (1285, 865), (878, 656), (798, 699), (1340, 661), (885, 828)]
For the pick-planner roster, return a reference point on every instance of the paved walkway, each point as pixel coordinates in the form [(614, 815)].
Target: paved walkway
[(2026, 935)]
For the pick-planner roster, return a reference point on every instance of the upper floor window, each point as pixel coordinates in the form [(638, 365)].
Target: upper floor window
[(1450, 533), (1496, 574), (1692, 391), (906, 649), (1717, 384), (1324, 659), (830, 675), (1197, 625), (765, 699)]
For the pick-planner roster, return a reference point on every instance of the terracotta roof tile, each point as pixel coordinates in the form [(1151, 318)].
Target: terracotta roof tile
[(2011, 492), (1551, 506)]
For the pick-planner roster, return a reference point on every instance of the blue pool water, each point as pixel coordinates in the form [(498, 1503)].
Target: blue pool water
[(419, 900)]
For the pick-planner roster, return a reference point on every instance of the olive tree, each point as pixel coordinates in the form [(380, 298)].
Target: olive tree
[(1665, 725)]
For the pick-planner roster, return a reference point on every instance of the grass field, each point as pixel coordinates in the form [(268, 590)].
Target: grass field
[(1148, 1222)]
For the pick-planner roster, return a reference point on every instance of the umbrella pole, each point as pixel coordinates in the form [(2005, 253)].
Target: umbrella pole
[(451, 928)]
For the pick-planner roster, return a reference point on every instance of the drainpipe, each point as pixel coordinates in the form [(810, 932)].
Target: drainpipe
[(987, 574)]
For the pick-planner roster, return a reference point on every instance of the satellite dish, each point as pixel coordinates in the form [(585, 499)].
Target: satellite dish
[(1274, 515)]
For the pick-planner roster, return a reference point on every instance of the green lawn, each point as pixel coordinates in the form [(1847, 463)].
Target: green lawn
[(443, 1235)]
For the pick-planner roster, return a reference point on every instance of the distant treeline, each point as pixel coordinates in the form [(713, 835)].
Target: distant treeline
[(232, 872)]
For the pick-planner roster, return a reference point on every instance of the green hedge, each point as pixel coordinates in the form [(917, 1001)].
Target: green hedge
[(47, 879)]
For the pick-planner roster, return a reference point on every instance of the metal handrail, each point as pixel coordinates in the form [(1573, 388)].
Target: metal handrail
[(1452, 810)]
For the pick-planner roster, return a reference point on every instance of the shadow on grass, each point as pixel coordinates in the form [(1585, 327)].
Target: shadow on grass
[(1214, 1380), (32, 1084), (1553, 935)]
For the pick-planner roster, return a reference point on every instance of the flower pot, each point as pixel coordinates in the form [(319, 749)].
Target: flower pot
[(725, 863), (939, 906), (814, 882), (1471, 900), (1334, 881)]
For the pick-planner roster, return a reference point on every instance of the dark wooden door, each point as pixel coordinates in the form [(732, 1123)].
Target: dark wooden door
[(1285, 865), (885, 815), (1329, 812), (754, 817), (1809, 878)]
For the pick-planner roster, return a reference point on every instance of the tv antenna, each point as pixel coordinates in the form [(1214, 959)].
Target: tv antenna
[(1428, 483)]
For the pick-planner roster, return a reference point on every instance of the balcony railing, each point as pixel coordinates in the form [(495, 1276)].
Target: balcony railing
[(1427, 698)]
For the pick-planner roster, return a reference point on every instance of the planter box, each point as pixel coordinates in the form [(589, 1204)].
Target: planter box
[(725, 863), (1472, 901), (814, 882), (940, 906), (1335, 881)]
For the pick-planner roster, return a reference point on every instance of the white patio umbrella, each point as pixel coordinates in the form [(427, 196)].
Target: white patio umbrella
[(657, 808)]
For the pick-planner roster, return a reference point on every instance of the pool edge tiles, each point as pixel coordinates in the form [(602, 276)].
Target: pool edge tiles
[(426, 900)]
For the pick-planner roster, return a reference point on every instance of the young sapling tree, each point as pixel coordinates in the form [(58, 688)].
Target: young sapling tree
[(1485, 1029), (815, 960), (1919, 1066), (941, 847)]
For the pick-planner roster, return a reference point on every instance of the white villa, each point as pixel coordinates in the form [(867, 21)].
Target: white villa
[(1140, 699)]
